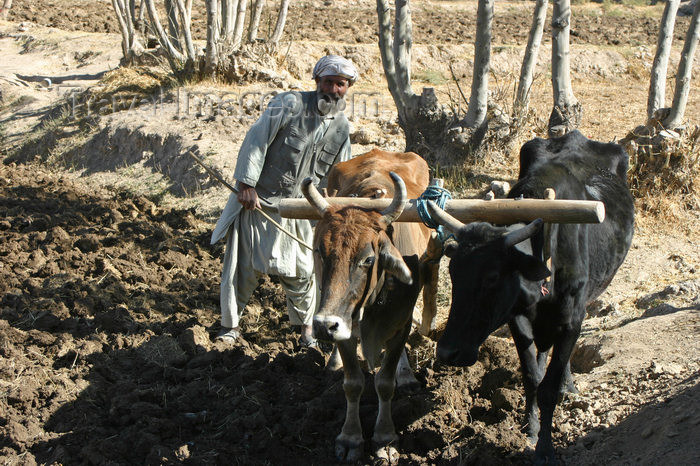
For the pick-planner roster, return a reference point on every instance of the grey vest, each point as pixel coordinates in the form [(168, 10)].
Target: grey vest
[(293, 155)]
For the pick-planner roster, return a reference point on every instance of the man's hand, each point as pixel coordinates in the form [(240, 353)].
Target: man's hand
[(247, 196)]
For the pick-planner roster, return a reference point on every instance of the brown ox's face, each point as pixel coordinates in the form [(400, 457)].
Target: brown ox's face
[(352, 248)]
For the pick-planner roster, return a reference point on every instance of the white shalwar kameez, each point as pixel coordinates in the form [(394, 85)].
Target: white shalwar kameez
[(254, 246)]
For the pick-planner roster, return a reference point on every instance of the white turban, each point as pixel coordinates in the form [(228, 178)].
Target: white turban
[(335, 65)]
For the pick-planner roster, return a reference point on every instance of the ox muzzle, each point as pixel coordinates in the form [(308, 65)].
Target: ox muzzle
[(331, 328)]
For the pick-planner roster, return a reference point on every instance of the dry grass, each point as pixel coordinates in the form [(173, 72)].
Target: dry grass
[(133, 82)]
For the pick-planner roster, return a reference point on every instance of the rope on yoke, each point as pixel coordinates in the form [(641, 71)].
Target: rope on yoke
[(439, 196)]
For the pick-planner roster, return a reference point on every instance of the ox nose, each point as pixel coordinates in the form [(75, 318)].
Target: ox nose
[(330, 328)]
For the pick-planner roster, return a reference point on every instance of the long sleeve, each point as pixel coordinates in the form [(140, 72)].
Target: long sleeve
[(251, 156), (345, 151)]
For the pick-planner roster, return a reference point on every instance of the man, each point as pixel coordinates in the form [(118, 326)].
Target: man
[(300, 134)]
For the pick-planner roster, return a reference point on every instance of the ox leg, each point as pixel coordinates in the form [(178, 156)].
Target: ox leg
[(348, 445), (532, 365), (548, 391), (406, 381), (430, 264), (384, 430), (567, 385)]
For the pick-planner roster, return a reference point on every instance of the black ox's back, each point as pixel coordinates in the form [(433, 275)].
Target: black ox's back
[(496, 280), (578, 168)]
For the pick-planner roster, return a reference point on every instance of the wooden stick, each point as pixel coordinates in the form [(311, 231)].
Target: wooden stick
[(269, 219), (501, 211)]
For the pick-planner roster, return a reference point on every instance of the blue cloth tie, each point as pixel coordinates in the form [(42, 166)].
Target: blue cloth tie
[(439, 196)]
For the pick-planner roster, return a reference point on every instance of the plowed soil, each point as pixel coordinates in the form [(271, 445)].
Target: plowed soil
[(356, 22), (109, 304), (107, 308)]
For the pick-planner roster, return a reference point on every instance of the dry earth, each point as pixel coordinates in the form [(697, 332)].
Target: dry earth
[(109, 287)]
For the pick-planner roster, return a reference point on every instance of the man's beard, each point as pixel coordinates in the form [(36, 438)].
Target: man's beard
[(330, 104)]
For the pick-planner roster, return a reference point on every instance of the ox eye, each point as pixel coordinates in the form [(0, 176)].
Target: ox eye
[(368, 262)]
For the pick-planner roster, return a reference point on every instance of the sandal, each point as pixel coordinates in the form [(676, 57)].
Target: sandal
[(228, 335), (308, 343)]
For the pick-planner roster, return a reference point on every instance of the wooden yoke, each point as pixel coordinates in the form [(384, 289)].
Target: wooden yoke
[(499, 211)]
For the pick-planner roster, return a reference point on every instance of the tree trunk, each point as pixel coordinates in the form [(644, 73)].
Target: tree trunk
[(566, 112), (229, 9), (478, 102), (212, 55), (534, 39), (186, 21), (255, 20), (131, 45), (173, 53), (685, 67), (240, 24), (173, 27), (657, 83), (141, 23), (5, 10), (281, 20)]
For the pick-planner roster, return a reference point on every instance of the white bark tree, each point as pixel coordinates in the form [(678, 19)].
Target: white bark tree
[(478, 105), (566, 112), (281, 21), (657, 83), (685, 67), (132, 45), (177, 43), (431, 130), (255, 20), (226, 28), (534, 39), (226, 22)]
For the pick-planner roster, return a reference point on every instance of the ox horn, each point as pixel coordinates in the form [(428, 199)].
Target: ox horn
[(393, 211), (443, 218), (313, 196), (521, 234)]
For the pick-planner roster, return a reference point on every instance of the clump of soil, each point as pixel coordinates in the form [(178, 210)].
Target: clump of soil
[(108, 307)]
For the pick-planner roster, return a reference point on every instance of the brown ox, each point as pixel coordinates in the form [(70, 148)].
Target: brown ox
[(370, 274)]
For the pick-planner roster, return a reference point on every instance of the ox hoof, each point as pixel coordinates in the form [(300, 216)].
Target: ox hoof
[(531, 430), (347, 449), (545, 456), (568, 387), (387, 454)]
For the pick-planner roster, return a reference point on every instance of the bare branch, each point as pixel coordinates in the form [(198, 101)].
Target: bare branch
[(255, 20), (532, 49), (186, 25), (212, 57), (118, 6), (478, 101), (240, 24), (386, 50), (229, 10), (281, 20), (566, 111), (657, 83), (685, 67), (173, 23), (402, 49), (160, 33)]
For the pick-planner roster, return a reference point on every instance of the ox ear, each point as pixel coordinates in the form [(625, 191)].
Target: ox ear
[(391, 260), (530, 267)]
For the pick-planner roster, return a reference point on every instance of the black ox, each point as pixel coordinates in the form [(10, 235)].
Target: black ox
[(498, 277)]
